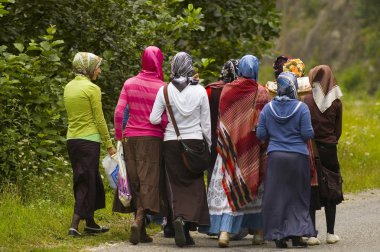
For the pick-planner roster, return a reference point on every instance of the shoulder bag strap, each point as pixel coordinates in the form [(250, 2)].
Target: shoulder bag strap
[(171, 111), (254, 101), (315, 148), (254, 119)]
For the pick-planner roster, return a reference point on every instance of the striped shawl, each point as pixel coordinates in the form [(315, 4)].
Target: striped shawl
[(242, 153)]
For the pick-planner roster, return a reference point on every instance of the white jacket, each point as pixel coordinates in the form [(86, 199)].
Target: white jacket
[(191, 111)]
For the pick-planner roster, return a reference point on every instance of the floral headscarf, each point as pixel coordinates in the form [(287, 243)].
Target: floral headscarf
[(182, 71), (249, 67), (278, 64), (295, 66), (287, 86), (86, 63), (229, 71)]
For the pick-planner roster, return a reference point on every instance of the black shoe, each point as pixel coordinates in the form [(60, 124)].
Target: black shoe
[(281, 243), (99, 229), (168, 231), (298, 242), (74, 232), (190, 241), (179, 232), (145, 238)]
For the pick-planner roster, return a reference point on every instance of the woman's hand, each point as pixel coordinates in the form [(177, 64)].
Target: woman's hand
[(111, 151)]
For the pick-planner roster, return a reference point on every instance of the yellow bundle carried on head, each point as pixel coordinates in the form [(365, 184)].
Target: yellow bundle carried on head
[(297, 67)]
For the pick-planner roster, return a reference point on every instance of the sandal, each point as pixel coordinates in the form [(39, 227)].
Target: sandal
[(74, 232)]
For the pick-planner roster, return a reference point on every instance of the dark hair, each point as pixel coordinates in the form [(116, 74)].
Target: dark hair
[(278, 64)]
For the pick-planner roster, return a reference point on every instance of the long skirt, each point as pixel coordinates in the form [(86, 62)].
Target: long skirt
[(287, 196), (221, 214), (186, 191), (143, 160), (87, 184)]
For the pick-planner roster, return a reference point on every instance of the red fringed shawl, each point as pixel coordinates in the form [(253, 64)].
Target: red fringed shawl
[(242, 153)]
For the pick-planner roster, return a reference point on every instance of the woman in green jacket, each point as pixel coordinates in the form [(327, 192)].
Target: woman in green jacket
[(87, 128)]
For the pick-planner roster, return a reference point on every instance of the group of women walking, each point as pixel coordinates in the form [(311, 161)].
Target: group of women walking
[(260, 175)]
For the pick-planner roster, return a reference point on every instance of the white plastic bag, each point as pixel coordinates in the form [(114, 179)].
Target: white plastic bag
[(124, 191), (112, 169)]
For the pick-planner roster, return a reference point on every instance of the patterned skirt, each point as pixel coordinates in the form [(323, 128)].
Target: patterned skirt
[(221, 214)]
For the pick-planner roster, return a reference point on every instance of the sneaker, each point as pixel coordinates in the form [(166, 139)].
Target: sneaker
[(224, 239), (332, 238), (312, 241)]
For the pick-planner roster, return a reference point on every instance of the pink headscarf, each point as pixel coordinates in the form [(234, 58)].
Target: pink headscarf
[(152, 59)]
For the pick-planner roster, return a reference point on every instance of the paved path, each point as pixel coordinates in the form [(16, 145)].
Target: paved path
[(357, 223)]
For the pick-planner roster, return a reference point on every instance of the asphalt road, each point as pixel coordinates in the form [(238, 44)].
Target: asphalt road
[(357, 224)]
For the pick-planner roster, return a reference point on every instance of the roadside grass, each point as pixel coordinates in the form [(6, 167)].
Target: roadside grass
[(358, 149), (42, 225), (39, 220)]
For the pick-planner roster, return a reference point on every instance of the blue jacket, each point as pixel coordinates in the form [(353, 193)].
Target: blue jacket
[(287, 124)]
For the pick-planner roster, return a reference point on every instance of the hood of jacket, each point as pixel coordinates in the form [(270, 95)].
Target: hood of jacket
[(284, 110), (186, 101), (152, 60)]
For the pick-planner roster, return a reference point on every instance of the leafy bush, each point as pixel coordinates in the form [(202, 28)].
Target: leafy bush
[(31, 122), (34, 71), (117, 30), (32, 77), (231, 30)]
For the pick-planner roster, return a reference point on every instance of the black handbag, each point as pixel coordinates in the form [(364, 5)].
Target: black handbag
[(329, 182), (196, 159)]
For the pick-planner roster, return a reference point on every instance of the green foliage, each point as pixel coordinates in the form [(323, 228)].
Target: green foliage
[(368, 12), (2, 10), (266, 73), (31, 123), (34, 71), (231, 30), (33, 74), (117, 30), (351, 78)]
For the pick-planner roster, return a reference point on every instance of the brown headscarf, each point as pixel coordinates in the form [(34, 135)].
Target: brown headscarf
[(325, 87)]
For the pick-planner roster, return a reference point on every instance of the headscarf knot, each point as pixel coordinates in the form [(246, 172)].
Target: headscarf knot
[(182, 71)]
